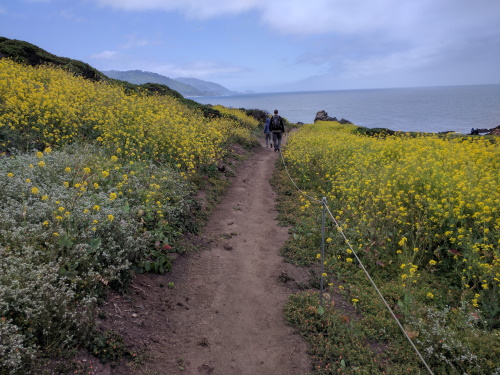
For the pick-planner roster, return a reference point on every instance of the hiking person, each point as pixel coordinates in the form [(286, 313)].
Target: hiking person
[(277, 129), (267, 132)]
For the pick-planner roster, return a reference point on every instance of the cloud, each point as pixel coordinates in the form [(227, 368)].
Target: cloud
[(352, 39), (395, 17), (70, 15), (133, 41), (197, 69), (390, 63), (192, 8), (105, 55)]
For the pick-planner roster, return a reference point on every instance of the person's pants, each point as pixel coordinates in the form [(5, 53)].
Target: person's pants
[(268, 139), (277, 140)]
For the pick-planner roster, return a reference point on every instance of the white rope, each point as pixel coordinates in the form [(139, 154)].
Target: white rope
[(378, 291), (293, 182)]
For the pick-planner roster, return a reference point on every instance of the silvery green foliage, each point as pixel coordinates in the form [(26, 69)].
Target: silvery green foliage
[(13, 350), (61, 244), (442, 337), (41, 303)]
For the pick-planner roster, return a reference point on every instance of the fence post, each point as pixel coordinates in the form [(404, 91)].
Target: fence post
[(323, 203)]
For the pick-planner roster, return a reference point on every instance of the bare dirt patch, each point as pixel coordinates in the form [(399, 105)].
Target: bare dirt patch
[(222, 312)]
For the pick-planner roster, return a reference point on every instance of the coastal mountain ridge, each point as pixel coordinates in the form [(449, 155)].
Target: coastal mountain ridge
[(185, 86), (206, 86)]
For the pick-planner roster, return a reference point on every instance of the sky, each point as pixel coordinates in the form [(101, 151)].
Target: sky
[(272, 45)]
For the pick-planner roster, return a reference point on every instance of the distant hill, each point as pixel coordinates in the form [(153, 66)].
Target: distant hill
[(138, 77), (207, 86), (185, 86)]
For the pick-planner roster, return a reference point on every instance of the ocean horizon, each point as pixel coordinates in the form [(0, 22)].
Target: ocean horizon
[(421, 109)]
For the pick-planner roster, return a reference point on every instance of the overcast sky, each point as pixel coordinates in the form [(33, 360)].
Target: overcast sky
[(272, 45)]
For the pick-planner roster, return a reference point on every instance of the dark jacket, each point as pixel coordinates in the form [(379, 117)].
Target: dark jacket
[(281, 126), (266, 126)]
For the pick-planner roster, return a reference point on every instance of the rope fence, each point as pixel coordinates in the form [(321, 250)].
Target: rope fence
[(326, 209)]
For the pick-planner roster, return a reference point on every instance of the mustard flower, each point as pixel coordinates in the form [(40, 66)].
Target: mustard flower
[(34, 190)]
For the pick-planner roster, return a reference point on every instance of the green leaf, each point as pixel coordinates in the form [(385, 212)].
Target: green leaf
[(321, 310), (65, 241), (95, 243)]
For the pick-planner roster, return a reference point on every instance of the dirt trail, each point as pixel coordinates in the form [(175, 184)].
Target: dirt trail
[(235, 322), (225, 314)]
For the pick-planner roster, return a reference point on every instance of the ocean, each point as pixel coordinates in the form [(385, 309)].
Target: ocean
[(421, 109)]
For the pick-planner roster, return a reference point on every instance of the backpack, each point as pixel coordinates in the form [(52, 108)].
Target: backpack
[(275, 123)]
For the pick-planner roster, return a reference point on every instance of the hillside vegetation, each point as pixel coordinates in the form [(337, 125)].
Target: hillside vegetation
[(98, 180), (27, 53), (422, 212)]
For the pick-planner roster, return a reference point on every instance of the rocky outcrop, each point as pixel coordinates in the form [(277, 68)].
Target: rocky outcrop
[(323, 116), (344, 121), (495, 131)]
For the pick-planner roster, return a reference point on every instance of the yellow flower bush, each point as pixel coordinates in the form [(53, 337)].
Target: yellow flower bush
[(248, 121), (422, 213), (45, 107), (432, 196)]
